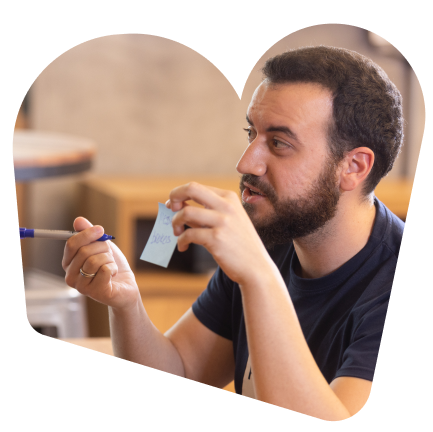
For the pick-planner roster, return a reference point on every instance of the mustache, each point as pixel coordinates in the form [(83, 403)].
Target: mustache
[(258, 183)]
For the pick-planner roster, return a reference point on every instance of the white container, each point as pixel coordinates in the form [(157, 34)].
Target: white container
[(53, 308)]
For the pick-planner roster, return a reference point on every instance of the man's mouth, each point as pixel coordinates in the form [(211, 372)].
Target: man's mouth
[(254, 190), (250, 191)]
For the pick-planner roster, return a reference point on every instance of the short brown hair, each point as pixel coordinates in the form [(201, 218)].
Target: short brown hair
[(367, 106)]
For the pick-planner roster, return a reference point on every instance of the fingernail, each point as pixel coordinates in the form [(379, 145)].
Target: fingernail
[(98, 230)]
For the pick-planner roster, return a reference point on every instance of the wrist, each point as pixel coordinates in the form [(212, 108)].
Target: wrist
[(262, 274), (128, 308)]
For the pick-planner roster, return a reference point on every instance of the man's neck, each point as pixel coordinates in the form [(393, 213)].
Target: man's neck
[(337, 242)]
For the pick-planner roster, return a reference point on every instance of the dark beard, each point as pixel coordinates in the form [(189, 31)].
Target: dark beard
[(295, 218)]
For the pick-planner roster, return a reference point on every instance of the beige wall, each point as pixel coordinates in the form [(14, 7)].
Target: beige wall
[(154, 106)]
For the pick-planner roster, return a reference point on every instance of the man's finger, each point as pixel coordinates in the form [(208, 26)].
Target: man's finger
[(79, 240), (96, 286), (83, 254), (80, 224), (195, 217), (95, 262), (200, 236), (204, 195)]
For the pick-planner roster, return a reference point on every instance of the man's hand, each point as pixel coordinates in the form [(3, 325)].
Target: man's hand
[(222, 227), (114, 283)]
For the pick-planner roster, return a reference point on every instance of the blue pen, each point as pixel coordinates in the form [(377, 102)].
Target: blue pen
[(54, 234)]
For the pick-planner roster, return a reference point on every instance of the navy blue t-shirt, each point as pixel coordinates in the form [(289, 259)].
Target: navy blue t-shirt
[(342, 314)]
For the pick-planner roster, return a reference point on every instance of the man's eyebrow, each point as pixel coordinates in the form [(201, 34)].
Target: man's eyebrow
[(283, 129)]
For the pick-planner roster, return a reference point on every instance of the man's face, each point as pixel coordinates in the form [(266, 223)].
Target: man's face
[(289, 186)]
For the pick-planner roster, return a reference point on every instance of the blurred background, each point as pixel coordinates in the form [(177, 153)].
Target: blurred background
[(149, 113)]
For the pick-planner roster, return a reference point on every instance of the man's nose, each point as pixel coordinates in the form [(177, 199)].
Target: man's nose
[(253, 161)]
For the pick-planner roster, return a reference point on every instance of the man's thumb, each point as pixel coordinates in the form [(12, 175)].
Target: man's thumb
[(81, 224)]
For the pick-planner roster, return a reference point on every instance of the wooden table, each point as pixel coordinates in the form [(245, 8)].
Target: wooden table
[(102, 345), (46, 154)]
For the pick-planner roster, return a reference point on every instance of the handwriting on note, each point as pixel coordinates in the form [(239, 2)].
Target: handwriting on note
[(161, 239), (162, 242)]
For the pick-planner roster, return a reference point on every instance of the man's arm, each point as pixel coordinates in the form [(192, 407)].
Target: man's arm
[(285, 372), (353, 392), (189, 349), (135, 338), (207, 357)]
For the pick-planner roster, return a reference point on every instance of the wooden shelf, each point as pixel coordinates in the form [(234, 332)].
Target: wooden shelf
[(166, 283)]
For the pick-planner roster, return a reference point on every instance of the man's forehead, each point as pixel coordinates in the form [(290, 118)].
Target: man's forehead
[(293, 89), (296, 98)]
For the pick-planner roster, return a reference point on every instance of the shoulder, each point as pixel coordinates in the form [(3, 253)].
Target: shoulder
[(213, 308), (392, 228)]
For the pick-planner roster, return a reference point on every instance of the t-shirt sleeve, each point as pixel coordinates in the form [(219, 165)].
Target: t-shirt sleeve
[(359, 358), (213, 308)]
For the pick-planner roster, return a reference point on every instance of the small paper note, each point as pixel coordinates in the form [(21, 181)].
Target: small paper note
[(162, 242)]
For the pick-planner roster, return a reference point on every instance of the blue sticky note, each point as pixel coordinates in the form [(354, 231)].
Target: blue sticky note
[(162, 241)]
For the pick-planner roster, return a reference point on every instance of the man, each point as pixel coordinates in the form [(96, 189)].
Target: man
[(296, 308)]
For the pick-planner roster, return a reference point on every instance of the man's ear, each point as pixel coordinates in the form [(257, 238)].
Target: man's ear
[(355, 168)]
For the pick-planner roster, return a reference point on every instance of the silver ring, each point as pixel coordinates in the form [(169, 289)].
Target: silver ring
[(87, 275)]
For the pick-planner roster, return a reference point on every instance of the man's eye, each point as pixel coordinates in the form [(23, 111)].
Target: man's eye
[(250, 134), (279, 144)]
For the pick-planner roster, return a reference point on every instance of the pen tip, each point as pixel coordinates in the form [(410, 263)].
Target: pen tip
[(112, 237)]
